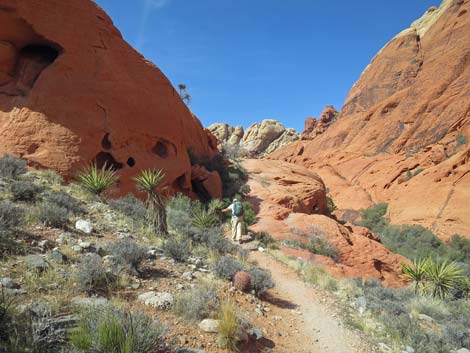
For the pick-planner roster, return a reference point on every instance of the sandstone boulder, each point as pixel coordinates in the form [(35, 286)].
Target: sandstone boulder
[(290, 202), (71, 99)]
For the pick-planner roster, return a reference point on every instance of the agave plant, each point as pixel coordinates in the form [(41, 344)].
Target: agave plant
[(203, 219), (417, 272), (148, 181), (97, 180), (442, 277)]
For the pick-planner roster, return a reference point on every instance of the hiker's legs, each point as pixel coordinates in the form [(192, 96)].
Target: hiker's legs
[(234, 227), (239, 230)]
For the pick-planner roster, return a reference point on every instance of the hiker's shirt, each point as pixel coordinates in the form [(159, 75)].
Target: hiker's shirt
[(232, 208)]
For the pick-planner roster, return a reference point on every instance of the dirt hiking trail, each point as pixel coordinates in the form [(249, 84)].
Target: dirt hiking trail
[(317, 327)]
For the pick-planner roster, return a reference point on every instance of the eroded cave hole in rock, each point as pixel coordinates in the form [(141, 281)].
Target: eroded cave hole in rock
[(32, 60), (131, 162), (160, 149), (105, 158), (105, 142)]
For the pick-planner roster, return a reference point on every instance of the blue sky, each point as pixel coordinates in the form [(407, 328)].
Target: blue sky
[(247, 60)]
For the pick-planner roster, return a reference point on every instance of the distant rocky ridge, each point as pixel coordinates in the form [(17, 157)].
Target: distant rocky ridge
[(259, 139), (402, 136)]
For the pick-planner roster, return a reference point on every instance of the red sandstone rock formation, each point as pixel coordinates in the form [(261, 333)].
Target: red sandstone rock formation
[(73, 91), (290, 199), (313, 128), (404, 131)]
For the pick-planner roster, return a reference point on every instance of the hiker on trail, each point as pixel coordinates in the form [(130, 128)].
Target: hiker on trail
[(237, 219)]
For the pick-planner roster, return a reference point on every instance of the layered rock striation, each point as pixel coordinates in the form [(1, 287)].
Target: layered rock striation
[(402, 136)]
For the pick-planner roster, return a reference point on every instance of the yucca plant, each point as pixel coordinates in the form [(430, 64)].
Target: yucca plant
[(148, 181), (97, 180), (416, 272), (204, 219), (442, 277)]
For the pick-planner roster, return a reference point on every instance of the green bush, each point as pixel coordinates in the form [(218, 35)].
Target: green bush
[(260, 280), (24, 190), (63, 200), (313, 242), (112, 330), (128, 252), (226, 267), (12, 167), (331, 204), (214, 239), (131, 207), (11, 216), (411, 241), (198, 303), (91, 274), (265, 238), (52, 215), (460, 140), (178, 248), (373, 217)]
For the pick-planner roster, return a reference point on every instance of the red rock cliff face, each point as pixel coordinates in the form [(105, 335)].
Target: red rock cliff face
[(403, 132), (72, 91)]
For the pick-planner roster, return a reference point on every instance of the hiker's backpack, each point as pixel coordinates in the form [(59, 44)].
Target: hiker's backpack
[(238, 209)]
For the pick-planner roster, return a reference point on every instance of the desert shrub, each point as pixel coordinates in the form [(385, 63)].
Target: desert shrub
[(260, 280), (131, 207), (51, 177), (265, 238), (459, 249), (249, 214), (12, 167), (229, 327), (411, 241), (113, 330), (11, 216), (314, 242), (52, 215), (226, 267), (178, 248), (317, 275), (460, 140), (331, 204), (198, 303), (25, 331), (214, 239), (417, 171), (24, 190), (97, 180), (128, 252), (91, 274), (64, 200), (373, 217), (179, 215)]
